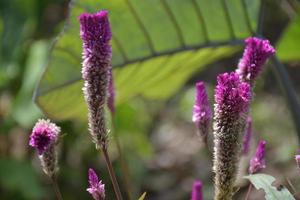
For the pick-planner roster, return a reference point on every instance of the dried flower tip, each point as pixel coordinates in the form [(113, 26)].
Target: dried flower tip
[(95, 33), (96, 188), (44, 134), (256, 53), (258, 161), (232, 99), (197, 191), (247, 136), (202, 112)]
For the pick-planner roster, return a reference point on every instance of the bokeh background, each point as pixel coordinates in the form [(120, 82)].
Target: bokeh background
[(154, 104)]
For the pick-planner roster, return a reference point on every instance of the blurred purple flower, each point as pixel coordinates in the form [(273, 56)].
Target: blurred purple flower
[(44, 134), (96, 188), (202, 112), (197, 191), (258, 161), (256, 53), (232, 97), (297, 157), (247, 136), (95, 33)]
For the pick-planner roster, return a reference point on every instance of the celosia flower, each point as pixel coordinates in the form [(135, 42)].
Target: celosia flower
[(258, 161), (44, 138), (111, 93), (247, 136), (96, 34), (202, 113), (44, 134), (96, 188), (255, 55), (297, 157), (197, 191), (232, 99)]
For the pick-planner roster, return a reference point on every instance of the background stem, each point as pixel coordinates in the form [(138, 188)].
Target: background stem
[(56, 188)]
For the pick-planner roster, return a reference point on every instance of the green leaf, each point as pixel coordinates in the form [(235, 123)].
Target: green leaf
[(288, 46), (18, 176), (264, 181), (143, 196), (157, 45)]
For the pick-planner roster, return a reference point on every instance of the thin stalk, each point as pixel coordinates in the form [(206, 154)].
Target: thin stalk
[(112, 174), (124, 166), (56, 188), (249, 191)]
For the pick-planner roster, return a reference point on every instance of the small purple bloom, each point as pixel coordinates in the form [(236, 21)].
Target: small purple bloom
[(258, 161), (96, 188), (256, 53), (297, 157), (95, 33), (44, 134), (197, 191), (202, 112), (247, 136)]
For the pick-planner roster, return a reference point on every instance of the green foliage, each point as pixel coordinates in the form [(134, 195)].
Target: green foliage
[(19, 176), (157, 46), (264, 181), (288, 46)]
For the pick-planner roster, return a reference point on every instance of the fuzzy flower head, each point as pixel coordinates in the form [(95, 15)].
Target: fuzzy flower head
[(44, 134), (197, 191), (258, 161), (247, 136), (202, 112), (256, 53), (96, 188), (95, 33), (232, 96)]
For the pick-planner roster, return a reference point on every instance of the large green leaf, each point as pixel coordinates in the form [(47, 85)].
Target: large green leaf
[(288, 46), (157, 45), (264, 181)]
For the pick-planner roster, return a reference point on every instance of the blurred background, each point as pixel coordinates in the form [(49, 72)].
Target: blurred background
[(153, 122)]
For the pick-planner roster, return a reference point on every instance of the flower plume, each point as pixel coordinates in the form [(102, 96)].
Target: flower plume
[(202, 113), (96, 188), (232, 99), (95, 33), (255, 55), (258, 161)]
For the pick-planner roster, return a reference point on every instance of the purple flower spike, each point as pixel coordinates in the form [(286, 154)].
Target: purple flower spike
[(232, 97), (247, 136), (255, 55), (197, 191), (297, 157), (96, 34), (44, 134), (202, 112), (96, 188), (258, 161)]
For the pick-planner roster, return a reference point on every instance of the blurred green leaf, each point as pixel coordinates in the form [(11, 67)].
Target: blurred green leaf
[(157, 45), (19, 176), (288, 45), (25, 111), (264, 181)]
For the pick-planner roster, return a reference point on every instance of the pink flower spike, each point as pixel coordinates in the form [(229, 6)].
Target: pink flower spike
[(96, 188), (258, 161), (197, 191), (297, 157), (202, 112), (256, 53), (44, 134)]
